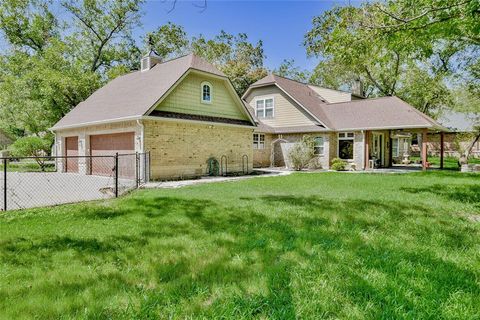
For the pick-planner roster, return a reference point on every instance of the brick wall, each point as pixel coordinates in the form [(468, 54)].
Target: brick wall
[(261, 157), (181, 150)]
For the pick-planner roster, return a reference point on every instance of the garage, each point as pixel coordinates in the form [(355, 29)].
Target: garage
[(108, 145), (71, 150)]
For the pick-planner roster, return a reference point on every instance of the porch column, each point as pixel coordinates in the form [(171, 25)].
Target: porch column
[(442, 148), (424, 149), (366, 151)]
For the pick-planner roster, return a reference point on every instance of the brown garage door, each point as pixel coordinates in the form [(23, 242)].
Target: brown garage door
[(71, 149), (110, 144)]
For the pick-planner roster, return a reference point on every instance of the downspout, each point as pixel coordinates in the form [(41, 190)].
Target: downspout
[(364, 161), (142, 135)]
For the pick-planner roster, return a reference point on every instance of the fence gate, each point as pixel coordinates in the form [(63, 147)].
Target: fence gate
[(28, 182)]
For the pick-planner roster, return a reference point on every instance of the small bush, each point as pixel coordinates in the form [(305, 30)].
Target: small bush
[(338, 164), (301, 153)]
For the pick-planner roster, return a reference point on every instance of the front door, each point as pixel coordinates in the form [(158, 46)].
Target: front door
[(378, 153)]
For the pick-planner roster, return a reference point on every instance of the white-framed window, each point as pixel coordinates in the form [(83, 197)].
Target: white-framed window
[(264, 108), (318, 147), (346, 141), (207, 92), (258, 141), (395, 147)]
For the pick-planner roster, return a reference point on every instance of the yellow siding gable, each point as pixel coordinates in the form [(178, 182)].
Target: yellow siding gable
[(186, 98), (286, 111)]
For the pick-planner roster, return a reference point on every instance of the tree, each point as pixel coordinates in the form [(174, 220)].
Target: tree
[(104, 26), (234, 55), (377, 43), (49, 66), (32, 146), (287, 69), (168, 41)]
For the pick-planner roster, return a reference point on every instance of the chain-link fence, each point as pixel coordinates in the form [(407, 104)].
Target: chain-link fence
[(27, 182)]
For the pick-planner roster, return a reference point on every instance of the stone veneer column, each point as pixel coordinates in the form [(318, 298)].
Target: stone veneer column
[(358, 150)]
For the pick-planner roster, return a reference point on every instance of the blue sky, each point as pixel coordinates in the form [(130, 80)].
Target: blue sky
[(281, 25)]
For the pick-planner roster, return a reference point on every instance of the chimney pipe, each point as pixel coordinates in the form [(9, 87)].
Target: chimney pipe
[(357, 87), (149, 61)]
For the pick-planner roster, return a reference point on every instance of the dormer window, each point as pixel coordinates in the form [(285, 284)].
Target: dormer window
[(264, 108), (206, 92)]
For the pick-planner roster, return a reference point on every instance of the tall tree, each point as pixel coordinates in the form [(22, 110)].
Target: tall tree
[(168, 41), (397, 47), (49, 66), (288, 69), (234, 55)]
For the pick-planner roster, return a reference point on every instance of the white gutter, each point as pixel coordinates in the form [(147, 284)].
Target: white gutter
[(142, 135), (92, 123), (393, 128)]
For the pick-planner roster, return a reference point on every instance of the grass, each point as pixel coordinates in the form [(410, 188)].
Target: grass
[(307, 246), (449, 163), (28, 166)]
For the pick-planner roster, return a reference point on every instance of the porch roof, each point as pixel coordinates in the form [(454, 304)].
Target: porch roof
[(377, 114)]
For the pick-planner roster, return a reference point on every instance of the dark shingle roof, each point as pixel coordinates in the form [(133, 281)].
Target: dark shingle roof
[(377, 113), (133, 94)]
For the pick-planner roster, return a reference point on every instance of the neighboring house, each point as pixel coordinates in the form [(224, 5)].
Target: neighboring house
[(5, 140), (363, 132), (183, 111), (462, 126)]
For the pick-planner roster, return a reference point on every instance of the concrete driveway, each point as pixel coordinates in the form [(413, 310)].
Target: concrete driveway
[(40, 189)]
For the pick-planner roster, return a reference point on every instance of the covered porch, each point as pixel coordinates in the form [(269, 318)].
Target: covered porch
[(393, 148)]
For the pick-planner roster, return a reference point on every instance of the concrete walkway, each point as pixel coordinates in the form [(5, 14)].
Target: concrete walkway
[(183, 183), (268, 172)]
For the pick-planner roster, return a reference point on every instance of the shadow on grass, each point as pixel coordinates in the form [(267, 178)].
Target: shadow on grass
[(461, 193), (218, 247)]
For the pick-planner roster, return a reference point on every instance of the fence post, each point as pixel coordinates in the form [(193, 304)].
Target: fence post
[(5, 184), (116, 175)]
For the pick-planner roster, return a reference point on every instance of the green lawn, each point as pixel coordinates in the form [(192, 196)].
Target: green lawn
[(28, 166), (306, 246), (449, 163)]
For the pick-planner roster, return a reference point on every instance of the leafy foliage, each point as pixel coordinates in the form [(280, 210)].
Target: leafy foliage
[(288, 69), (301, 153), (338, 164), (418, 51), (50, 65), (32, 146), (235, 56)]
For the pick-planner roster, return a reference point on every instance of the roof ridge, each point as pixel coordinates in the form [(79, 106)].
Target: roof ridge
[(362, 100)]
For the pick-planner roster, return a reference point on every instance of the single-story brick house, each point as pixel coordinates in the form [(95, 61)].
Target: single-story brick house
[(183, 111), (364, 132)]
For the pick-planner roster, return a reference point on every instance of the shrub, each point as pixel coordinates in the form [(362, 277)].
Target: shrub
[(338, 164), (32, 147), (301, 153)]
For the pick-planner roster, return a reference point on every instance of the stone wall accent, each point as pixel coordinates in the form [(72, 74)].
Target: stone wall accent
[(181, 149)]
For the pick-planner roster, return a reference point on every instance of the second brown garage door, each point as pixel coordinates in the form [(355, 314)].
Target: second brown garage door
[(109, 145)]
